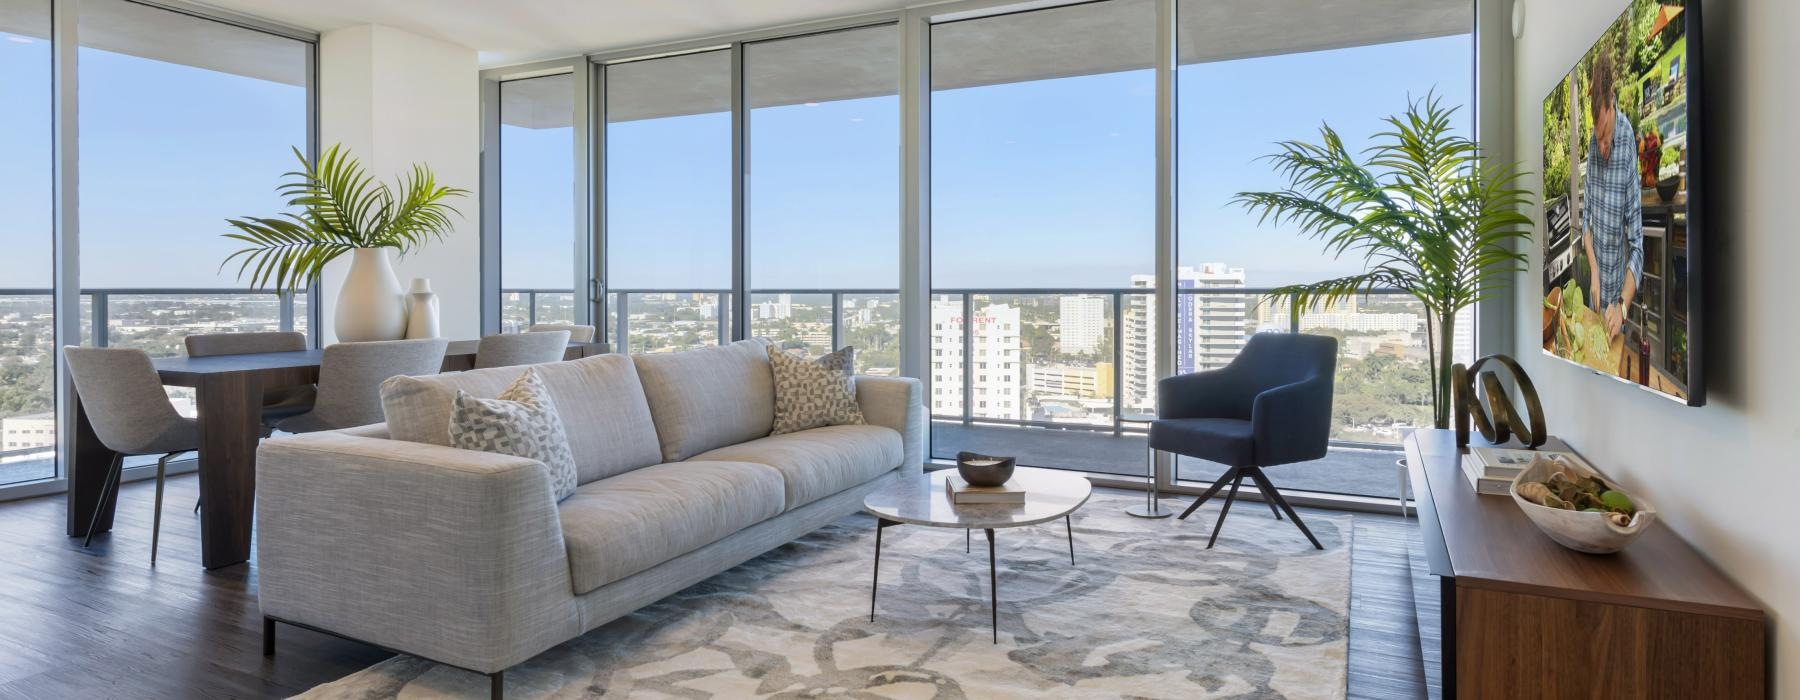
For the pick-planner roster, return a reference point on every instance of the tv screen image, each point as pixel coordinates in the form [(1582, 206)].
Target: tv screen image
[(1620, 235)]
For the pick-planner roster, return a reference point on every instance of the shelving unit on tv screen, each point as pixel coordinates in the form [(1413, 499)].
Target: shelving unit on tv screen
[(1623, 240)]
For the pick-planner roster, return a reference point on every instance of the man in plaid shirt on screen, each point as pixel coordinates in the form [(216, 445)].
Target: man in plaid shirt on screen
[(1611, 203)]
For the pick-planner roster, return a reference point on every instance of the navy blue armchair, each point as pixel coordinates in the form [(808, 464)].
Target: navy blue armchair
[(1270, 406)]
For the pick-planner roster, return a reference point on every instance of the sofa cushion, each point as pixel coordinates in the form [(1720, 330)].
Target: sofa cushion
[(822, 461), (708, 398), (816, 393), (521, 422), (599, 399), (618, 526)]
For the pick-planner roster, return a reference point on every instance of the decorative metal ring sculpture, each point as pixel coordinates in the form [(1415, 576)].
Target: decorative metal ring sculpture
[(1498, 420)]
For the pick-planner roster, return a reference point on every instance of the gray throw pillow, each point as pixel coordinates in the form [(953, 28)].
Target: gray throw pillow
[(814, 394), (521, 422)]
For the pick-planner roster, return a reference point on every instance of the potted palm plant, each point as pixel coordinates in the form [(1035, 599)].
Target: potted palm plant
[(338, 209), (1427, 212)]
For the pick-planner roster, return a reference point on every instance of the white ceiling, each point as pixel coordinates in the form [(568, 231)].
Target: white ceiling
[(508, 32)]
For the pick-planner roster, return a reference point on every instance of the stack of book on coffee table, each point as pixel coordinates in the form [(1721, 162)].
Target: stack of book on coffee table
[(961, 493)]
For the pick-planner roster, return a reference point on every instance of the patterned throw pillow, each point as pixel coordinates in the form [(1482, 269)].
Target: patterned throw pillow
[(814, 394), (521, 422)]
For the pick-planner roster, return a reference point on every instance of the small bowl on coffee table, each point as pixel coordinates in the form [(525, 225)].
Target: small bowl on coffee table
[(983, 470)]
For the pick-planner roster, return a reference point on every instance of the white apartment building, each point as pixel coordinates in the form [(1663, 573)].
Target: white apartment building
[(997, 382), (1082, 320), (1210, 329), (34, 431)]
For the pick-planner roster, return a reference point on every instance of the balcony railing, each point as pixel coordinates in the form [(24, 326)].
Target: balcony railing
[(1074, 371), (153, 319)]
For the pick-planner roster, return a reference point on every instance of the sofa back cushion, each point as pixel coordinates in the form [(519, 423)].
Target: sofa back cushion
[(599, 399), (708, 398)]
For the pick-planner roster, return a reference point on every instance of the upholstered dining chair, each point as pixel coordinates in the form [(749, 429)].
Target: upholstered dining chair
[(350, 377), (1270, 406), (577, 333), (278, 402), (131, 415), (507, 349)]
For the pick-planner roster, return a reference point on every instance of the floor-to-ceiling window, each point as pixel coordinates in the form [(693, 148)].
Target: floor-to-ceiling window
[(823, 230), (537, 201), (1246, 82), (668, 160), (184, 122), (27, 307), (1041, 322), (1043, 192)]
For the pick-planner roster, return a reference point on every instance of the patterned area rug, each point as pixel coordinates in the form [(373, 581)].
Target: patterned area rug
[(1145, 612)]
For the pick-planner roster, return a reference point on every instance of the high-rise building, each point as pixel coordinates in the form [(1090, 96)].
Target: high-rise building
[(1210, 329), (1082, 320), (996, 382)]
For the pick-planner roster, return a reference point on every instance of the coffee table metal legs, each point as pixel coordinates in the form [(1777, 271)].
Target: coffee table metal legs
[(993, 567), (875, 586), (1070, 523), (1152, 507), (993, 586)]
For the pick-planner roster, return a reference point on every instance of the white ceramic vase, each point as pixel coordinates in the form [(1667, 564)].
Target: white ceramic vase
[(421, 310), (370, 305)]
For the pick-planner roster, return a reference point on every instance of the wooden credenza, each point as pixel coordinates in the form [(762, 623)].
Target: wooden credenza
[(1524, 617)]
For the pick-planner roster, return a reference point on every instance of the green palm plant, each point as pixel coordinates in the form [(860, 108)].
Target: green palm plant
[(1426, 211), (339, 208)]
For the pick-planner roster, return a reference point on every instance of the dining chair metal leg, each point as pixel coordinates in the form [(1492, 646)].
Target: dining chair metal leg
[(107, 490), (162, 467), (1225, 478), (1229, 497)]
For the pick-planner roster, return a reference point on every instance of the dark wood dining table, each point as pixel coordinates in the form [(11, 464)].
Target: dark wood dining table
[(229, 395)]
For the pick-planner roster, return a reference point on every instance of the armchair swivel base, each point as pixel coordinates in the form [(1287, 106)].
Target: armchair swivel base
[(1276, 503)]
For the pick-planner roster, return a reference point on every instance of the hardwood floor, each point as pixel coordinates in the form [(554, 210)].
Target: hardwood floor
[(91, 623)]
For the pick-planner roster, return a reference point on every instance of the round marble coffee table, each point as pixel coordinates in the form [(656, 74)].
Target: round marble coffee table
[(923, 500)]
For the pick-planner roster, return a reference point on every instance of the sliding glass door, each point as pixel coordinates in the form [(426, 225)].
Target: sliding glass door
[(669, 201), (184, 122), (1043, 193), (537, 201), (1233, 107), (27, 306), (824, 234)]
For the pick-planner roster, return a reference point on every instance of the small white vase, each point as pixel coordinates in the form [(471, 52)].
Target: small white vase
[(370, 305), (421, 310)]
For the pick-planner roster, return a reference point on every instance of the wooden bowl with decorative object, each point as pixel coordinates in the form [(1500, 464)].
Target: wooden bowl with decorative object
[(984, 470), (1581, 530)]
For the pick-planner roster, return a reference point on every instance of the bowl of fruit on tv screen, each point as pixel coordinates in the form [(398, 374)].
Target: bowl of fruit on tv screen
[(1621, 232)]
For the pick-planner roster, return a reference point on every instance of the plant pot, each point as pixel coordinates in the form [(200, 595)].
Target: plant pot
[(371, 305)]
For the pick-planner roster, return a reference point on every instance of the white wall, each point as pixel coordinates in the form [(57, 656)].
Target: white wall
[(1725, 476), (394, 99)]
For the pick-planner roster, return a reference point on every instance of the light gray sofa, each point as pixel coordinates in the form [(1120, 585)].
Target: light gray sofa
[(465, 558)]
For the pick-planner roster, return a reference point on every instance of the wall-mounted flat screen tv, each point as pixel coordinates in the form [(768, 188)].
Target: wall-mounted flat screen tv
[(1622, 203)]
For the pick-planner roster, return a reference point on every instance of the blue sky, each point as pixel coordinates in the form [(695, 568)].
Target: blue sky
[(1043, 184)]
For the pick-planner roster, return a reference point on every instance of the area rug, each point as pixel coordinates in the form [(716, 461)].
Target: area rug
[(1146, 611)]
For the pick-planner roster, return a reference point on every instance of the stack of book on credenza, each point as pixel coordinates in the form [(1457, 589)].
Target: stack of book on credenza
[(961, 493), (1491, 470)]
